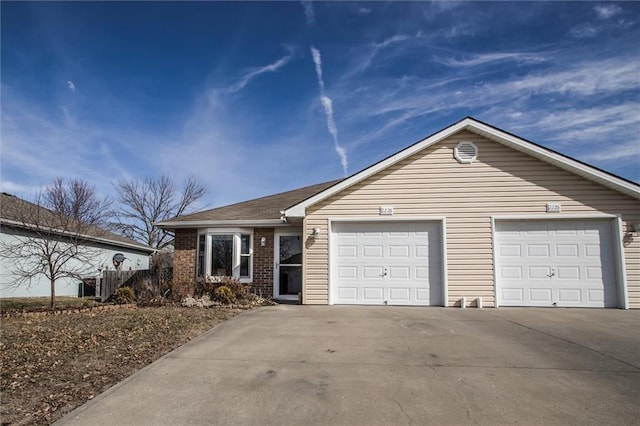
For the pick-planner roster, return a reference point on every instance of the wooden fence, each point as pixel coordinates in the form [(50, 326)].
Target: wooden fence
[(111, 280)]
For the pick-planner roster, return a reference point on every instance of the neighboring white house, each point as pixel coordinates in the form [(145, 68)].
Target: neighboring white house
[(101, 246)]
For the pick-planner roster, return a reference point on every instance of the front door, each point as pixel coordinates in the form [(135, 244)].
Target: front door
[(288, 265)]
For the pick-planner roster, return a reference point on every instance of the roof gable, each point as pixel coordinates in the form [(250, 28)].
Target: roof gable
[(490, 132)]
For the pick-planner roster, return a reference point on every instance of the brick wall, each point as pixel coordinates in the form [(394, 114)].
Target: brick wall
[(184, 261), (263, 262)]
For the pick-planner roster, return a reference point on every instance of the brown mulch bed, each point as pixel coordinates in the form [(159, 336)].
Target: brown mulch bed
[(52, 364)]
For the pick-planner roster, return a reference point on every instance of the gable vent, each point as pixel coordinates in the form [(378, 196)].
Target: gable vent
[(466, 152)]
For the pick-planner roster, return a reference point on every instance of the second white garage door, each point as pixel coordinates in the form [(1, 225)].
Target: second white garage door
[(556, 263), (394, 263)]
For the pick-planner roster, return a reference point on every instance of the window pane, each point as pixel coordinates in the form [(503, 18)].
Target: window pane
[(244, 266), (244, 244), (201, 243), (222, 255), (291, 249)]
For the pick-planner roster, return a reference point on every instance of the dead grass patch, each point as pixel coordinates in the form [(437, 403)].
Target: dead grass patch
[(52, 364)]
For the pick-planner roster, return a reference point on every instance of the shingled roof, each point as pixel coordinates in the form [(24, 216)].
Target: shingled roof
[(259, 209), (15, 212)]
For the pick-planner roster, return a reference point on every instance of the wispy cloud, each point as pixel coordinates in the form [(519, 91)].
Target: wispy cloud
[(309, 12), (327, 104), (606, 11), (250, 75), (373, 49), (476, 60), (585, 30), (71, 85), (364, 11)]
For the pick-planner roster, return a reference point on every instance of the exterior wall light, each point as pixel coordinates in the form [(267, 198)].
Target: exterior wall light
[(263, 242), (315, 233)]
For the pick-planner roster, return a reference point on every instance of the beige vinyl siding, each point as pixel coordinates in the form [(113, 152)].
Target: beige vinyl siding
[(502, 181)]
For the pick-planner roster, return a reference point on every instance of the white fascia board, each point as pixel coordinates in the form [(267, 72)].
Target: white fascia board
[(566, 163), (109, 241), (180, 224)]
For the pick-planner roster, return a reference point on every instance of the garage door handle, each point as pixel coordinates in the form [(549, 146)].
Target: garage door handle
[(553, 272), (384, 274)]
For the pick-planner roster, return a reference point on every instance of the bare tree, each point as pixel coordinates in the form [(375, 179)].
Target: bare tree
[(141, 204), (54, 236)]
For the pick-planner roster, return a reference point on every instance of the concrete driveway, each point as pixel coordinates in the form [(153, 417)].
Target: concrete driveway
[(306, 365)]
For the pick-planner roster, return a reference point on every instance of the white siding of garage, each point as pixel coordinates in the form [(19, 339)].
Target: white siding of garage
[(502, 181)]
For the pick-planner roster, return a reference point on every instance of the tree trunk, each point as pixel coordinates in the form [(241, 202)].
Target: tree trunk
[(53, 294)]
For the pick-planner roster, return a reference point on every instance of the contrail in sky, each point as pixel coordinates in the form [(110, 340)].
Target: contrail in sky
[(327, 104)]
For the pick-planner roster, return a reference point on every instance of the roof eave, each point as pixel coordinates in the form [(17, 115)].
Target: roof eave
[(255, 223), (109, 241)]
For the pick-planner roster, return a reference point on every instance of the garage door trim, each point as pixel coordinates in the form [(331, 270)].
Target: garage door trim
[(617, 235), (390, 219)]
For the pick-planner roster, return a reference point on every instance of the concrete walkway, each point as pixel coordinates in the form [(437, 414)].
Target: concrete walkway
[(306, 365)]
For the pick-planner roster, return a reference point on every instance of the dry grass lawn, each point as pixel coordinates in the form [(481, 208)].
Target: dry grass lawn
[(51, 364)]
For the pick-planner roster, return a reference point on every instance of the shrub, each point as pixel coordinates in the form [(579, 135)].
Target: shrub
[(124, 295), (206, 285), (240, 291), (223, 294)]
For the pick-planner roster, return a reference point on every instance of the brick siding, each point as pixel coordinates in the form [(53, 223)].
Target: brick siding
[(263, 262), (184, 261)]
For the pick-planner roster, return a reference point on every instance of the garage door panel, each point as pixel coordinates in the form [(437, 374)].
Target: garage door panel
[(372, 272), (539, 272), (372, 251), (567, 263), (536, 250), (595, 296), (347, 251), (399, 251), (373, 293), (386, 262), (511, 272), (567, 250), (399, 294), (510, 250), (568, 273), (514, 295), (422, 251), (540, 295), (399, 272), (569, 295), (422, 272), (347, 272), (348, 293)]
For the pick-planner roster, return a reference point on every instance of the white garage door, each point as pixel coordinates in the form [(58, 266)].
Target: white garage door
[(394, 263), (555, 263)]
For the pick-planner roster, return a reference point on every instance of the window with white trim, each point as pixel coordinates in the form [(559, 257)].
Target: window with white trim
[(226, 252)]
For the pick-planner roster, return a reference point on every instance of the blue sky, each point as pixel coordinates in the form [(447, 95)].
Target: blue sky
[(258, 98)]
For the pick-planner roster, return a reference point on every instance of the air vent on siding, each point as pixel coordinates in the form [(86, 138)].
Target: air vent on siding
[(466, 152)]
